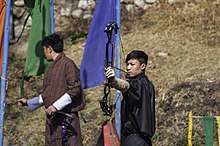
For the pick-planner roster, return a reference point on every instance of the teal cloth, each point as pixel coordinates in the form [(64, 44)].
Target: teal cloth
[(36, 63), (208, 123)]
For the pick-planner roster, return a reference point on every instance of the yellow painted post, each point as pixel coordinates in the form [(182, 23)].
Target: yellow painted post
[(218, 121), (190, 129)]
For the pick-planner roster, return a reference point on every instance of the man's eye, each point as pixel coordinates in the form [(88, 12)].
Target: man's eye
[(131, 64)]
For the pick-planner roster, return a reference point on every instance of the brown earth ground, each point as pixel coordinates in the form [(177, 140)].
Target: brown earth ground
[(182, 41)]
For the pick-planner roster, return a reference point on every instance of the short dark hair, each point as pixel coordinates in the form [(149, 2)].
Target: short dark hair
[(55, 41), (141, 56)]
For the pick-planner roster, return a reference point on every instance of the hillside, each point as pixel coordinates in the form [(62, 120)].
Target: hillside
[(182, 41)]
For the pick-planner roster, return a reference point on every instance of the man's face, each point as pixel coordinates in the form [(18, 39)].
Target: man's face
[(134, 67), (48, 53)]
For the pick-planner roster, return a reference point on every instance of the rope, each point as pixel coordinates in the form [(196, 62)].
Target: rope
[(199, 117), (122, 49)]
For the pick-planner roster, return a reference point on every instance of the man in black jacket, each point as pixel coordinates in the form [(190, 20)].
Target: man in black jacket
[(138, 104)]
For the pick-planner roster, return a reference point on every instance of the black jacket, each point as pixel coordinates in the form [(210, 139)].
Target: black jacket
[(138, 107)]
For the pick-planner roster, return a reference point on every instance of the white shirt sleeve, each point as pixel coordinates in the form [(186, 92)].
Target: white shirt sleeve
[(41, 100), (35, 103), (62, 102)]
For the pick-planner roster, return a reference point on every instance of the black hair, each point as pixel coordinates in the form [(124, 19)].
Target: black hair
[(141, 56), (55, 41)]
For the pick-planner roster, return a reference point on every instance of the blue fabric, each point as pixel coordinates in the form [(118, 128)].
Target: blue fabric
[(33, 103), (93, 62)]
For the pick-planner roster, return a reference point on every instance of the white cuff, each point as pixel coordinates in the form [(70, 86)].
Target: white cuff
[(41, 99), (62, 102)]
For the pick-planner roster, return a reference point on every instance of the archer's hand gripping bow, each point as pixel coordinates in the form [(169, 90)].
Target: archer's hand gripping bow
[(104, 103)]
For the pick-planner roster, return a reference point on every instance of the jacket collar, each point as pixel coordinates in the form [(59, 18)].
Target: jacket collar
[(58, 58), (140, 75)]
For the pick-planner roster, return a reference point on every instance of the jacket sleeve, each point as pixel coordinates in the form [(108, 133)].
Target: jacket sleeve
[(72, 80), (133, 94)]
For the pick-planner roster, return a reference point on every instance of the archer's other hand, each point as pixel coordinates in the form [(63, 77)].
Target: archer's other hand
[(22, 102), (110, 74), (50, 110)]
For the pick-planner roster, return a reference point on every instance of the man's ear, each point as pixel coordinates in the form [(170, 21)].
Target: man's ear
[(50, 49), (143, 66)]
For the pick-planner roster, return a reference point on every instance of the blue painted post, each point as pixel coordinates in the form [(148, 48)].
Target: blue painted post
[(118, 101), (4, 69), (52, 26)]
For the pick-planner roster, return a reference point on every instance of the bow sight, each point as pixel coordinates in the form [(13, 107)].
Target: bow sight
[(104, 103)]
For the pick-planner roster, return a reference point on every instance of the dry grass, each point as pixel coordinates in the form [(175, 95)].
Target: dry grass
[(182, 41)]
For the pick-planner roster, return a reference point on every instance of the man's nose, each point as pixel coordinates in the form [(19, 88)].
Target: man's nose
[(128, 67)]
